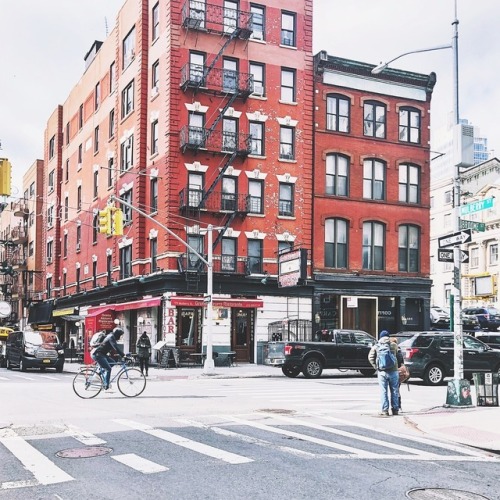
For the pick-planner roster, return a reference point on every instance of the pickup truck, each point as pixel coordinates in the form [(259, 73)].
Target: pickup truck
[(339, 349)]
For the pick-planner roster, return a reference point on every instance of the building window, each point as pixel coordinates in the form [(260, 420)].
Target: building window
[(287, 145), (125, 262), (77, 279), (66, 208), (127, 211), (286, 199), (448, 197), (196, 182), (255, 257), (112, 77), (52, 147), (67, 133), (374, 119), (229, 194), (49, 287), (94, 274), (409, 125), (409, 249), (409, 183), (373, 246), (111, 129), (373, 180), (493, 254), (196, 130), (288, 29), (153, 250), (230, 16), (52, 175), (127, 154), (229, 134), (154, 137), (287, 85), (474, 257), (154, 194), (97, 96), (193, 261), (229, 75), (79, 198), (78, 238), (256, 192), (96, 183), (65, 283), (128, 48), (197, 10), (257, 71), (257, 138), (196, 68), (80, 155), (337, 113), (284, 246), (111, 168), (66, 171), (336, 243), (109, 269), (337, 175), (156, 22), (31, 248), (50, 216), (155, 76), (228, 257), (80, 117), (96, 139), (95, 228), (258, 22), (50, 247), (65, 245), (128, 99)]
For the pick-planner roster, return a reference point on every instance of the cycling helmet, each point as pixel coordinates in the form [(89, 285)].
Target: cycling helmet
[(118, 332)]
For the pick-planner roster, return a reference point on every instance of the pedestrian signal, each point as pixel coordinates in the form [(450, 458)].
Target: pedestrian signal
[(104, 221), (117, 222)]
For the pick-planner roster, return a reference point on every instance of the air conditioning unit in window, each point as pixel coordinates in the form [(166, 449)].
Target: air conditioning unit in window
[(49, 260), (258, 90)]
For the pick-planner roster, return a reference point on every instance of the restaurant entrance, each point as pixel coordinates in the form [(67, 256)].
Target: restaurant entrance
[(242, 334)]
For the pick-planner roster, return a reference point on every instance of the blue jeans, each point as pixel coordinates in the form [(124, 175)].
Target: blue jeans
[(389, 380), (103, 362)]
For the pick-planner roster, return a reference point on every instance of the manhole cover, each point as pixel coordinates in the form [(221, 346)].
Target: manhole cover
[(277, 410), (87, 452), (443, 494)]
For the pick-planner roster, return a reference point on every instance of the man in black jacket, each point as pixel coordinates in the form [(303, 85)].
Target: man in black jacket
[(100, 354)]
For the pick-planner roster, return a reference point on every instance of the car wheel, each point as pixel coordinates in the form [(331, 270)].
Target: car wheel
[(313, 368), (9, 366), (290, 371), (367, 372), (22, 365), (434, 375)]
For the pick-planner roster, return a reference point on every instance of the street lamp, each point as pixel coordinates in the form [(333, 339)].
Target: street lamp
[(458, 361)]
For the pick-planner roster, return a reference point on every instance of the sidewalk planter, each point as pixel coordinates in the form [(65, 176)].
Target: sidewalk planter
[(486, 389)]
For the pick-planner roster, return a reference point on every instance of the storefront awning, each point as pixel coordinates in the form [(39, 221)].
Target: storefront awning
[(199, 302), (94, 311), (137, 304)]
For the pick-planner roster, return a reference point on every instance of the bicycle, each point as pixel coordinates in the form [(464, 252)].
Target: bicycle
[(88, 382)]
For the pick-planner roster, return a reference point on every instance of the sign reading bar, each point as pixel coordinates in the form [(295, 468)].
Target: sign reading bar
[(476, 206), (470, 224), (446, 255), (455, 239)]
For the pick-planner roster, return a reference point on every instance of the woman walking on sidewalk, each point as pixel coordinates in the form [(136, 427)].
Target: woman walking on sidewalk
[(144, 352)]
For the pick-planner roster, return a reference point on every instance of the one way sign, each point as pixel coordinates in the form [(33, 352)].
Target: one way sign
[(455, 239), (446, 255)]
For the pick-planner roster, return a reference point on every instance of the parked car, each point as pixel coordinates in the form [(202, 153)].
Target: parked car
[(34, 349), (470, 323), (489, 338), (430, 356), (440, 318), (488, 317)]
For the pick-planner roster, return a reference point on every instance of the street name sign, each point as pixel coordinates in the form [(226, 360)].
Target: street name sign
[(455, 239), (470, 224), (476, 206), (446, 255)]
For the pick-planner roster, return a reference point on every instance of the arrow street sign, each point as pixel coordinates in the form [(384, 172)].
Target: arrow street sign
[(476, 206), (455, 238), (446, 255), (470, 224)]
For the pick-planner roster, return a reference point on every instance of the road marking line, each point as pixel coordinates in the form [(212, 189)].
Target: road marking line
[(204, 449), (10, 485), (139, 464), (84, 437), (24, 377), (50, 377), (303, 437), (4, 378), (44, 470)]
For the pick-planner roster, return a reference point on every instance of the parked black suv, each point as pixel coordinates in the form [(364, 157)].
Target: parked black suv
[(488, 317), (430, 356), (489, 338)]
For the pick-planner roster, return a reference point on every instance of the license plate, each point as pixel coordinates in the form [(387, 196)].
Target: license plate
[(46, 361)]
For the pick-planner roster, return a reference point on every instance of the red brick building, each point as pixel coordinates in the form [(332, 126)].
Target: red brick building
[(196, 113), (371, 196)]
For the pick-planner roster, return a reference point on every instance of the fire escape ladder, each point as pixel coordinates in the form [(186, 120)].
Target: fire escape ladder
[(223, 230), (209, 191)]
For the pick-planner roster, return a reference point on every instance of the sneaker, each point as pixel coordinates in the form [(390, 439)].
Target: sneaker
[(384, 413)]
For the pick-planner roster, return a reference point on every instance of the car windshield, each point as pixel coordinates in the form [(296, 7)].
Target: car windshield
[(493, 310), (39, 338)]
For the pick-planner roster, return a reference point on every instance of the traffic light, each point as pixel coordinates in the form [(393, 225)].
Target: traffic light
[(104, 221), (117, 222), (5, 177)]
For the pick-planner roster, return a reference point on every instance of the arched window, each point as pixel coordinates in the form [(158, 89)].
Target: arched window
[(409, 249), (374, 246), (337, 175), (336, 243), (338, 113)]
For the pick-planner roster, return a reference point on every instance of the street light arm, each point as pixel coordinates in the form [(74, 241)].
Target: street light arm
[(378, 69)]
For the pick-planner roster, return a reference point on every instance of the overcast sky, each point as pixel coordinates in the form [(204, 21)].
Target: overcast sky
[(44, 42)]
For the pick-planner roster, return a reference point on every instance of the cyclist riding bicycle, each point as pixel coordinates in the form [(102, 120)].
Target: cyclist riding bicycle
[(100, 353)]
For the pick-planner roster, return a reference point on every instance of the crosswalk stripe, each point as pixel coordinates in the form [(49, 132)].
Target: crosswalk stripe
[(84, 437), (139, 464), (204, 449), (44, 470), (50, 377)]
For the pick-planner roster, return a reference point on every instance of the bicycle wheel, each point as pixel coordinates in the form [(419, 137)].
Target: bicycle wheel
[(131, 382), (87, 383)]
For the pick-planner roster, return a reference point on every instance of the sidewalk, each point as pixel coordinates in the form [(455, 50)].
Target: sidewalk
[(477, 426)]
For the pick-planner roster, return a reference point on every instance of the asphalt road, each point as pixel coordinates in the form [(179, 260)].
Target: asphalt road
[(225, 439)]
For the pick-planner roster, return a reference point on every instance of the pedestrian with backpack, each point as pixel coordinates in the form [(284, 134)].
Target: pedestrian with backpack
[(144, 352), (383, 357)]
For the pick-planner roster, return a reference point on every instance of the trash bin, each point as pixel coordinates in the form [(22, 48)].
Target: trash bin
[(261, 351), (486, 385)]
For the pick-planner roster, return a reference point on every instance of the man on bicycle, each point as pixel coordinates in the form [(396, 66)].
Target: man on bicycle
[(100, 354)]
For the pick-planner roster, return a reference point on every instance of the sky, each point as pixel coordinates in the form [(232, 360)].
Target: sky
[(44, 43)]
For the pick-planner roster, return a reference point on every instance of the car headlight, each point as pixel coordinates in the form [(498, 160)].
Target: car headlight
[(30, 350)]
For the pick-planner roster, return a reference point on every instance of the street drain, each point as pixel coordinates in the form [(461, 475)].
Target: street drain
[(277, 410), (442, 494), (87, 452)]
